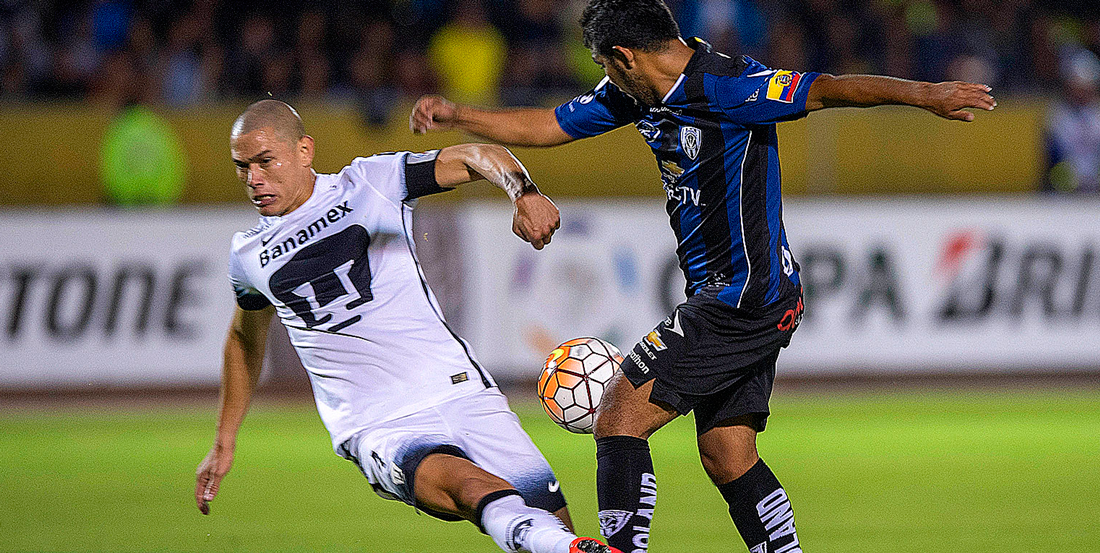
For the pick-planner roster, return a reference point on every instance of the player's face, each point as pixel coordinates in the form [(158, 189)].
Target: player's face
[(625, 79), (275, 170)]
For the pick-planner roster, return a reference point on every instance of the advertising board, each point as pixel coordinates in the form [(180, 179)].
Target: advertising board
[(115, 298), (906, 285)]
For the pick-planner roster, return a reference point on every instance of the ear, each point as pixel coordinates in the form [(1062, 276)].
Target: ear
[(625, 56), (305, 150)]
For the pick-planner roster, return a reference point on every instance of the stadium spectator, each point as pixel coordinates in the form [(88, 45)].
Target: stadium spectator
[(255, 49), (537, 67), (469, 54), (372, 86), (511, 51), (312, 65), (1073, 127), (182, 81)]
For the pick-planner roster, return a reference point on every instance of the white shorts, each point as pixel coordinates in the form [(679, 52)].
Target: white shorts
[(479, 427)]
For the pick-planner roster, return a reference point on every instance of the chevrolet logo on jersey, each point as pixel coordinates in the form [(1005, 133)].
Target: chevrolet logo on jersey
[(654, 339), (782, 86), (671, 171)]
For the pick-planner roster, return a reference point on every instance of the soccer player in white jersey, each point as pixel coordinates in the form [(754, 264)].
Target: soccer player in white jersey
[(400, 393)]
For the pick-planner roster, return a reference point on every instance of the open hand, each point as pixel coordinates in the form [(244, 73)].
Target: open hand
[(535, 219), (950, 100), (208, 477), (432, 112)]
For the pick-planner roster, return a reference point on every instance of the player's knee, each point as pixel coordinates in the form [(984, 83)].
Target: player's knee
[(726, 466), (718, 471), (469, 489)]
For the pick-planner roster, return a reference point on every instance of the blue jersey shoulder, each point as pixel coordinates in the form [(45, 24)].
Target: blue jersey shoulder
[(602, 109), (760, 95)]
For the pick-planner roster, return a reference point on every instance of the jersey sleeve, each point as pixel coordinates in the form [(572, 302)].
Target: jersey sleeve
[(761, 95), (399, 176), (602, 109), (248, 298)]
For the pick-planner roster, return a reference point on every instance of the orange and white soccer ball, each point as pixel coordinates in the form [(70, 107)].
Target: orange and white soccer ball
[(573, 381)]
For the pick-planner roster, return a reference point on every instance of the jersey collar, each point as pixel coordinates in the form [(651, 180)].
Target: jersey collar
[(701, 47)]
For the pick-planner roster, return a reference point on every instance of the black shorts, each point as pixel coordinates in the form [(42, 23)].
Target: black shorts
[(714, 358)]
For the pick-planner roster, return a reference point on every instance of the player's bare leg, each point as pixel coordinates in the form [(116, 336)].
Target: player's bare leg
[(728, 450), (626, 411), (758, 503), (457, 486), (625, 484), (563, 516)]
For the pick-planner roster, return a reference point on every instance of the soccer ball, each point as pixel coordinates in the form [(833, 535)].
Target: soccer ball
[(573, 380)]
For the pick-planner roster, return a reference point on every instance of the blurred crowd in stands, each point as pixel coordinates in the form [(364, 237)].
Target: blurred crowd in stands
[(377, 54), (182, 52)]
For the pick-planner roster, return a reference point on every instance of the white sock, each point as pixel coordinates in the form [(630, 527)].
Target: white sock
[(516, 527)]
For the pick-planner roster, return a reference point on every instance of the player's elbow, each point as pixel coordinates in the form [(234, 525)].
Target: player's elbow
[(822, 93)]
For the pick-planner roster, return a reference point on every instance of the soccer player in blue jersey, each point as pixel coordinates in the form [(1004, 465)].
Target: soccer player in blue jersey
[(711, 122)]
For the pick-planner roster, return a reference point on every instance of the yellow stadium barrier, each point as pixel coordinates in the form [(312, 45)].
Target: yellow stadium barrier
[(53, 155)]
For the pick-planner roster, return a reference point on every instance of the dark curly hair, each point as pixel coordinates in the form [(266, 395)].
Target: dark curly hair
[(645, 25)]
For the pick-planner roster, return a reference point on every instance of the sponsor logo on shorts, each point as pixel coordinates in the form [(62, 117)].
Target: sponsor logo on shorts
[(459, 378), (792, 317), (611, 521), (553, 486), (654, 339)]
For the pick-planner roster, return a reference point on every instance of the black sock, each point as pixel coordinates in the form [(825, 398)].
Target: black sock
[(627, 491), (761, 511)]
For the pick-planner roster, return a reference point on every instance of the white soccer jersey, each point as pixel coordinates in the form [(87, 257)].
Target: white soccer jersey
[(342, 273)]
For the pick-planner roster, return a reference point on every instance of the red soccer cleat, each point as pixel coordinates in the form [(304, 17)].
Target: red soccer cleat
[(590, 545)]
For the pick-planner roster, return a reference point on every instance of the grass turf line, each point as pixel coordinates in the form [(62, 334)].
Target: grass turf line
[(913, 471)]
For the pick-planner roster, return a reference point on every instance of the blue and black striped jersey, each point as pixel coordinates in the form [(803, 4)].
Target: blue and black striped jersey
[(714, 138)]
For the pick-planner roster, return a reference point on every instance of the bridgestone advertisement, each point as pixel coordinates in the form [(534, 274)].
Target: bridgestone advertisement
[(904, 286), (115, 298)]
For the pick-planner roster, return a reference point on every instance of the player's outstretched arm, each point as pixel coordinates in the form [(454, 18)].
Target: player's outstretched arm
[(517, 127), (244, 355), (949, 100), (535, 218)]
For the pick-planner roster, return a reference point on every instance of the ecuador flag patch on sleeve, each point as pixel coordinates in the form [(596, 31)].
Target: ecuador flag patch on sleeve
[(782, 86)]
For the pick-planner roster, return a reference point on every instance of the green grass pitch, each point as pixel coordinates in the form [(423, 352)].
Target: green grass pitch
[(915, 471)]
